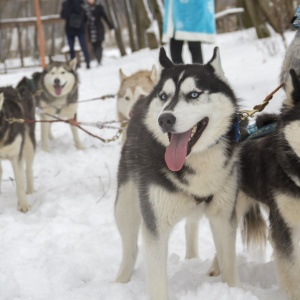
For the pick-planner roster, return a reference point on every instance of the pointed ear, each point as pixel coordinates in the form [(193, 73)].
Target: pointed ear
[(164, 61), (122, 76), (215, 62), (1, 100), (153, 74), (73, 64)]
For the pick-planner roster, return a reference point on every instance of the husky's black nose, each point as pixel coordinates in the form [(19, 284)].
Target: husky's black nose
[(56, 81), (166, 121)]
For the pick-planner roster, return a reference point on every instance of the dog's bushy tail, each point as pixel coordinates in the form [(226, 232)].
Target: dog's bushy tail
[(254, 232)]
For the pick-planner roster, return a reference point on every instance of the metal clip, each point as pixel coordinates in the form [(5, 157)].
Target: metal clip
[(244, 114)]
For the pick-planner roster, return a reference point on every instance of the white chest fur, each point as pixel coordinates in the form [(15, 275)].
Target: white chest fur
[(60, 108), (289, 207), (11, 150)]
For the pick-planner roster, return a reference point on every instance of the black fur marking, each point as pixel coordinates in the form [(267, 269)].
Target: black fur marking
[(142, 159), (266, 119), (164, 60), (17, 104), (231, 146), (281, 234), (207, 199), (204, 76), (147, 210), (296, 87), (216, 49)]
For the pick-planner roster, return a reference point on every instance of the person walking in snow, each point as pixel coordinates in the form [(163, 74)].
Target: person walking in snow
[(192, 21), (73, 13), (96, 32)]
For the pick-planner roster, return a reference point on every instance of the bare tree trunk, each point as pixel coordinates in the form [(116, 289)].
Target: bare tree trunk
[(246, 18), (110, 4), (269, 9), (256, 16), (2, 48), (148, 24), (131, 25), (158, 15), (276, 15), (52, 51), (140, 26), (289, 7)]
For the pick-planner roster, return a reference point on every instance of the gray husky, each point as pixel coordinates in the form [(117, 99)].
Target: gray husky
[(56, 93), (17, 140), (180, 159)]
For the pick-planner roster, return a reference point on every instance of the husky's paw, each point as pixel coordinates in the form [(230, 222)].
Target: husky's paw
[(80, 146), (122, 279), (30, 190), (45, 148), (213, 273), (191, 254), (51, 137), (24, 207), (214, 269)]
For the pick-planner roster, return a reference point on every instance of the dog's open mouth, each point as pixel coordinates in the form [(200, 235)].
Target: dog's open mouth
[(58, 89), (181, 145)]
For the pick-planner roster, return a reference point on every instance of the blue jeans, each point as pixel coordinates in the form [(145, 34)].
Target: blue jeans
[(81, 38)]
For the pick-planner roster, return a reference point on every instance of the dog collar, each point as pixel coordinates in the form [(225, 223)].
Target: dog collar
[(236, 126)]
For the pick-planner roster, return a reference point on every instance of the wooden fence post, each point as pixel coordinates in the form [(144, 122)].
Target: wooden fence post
[(20, 45), (40, 32)]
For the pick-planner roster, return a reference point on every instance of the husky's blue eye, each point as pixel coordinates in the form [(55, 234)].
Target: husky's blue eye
[(163, 96), (194, 95)]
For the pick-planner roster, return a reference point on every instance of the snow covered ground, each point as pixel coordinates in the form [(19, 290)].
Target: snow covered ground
[(67, 246)]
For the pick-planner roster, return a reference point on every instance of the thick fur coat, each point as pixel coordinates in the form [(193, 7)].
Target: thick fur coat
[(17, 140), (179, 160)]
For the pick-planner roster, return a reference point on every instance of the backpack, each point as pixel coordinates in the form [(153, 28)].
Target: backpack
[(75, 20)]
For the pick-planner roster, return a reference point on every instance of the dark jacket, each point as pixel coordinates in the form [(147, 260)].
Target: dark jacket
[(71, 9), (99, 15)]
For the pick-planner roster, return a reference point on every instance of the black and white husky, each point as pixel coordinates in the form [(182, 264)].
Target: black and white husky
[(17, 140), (270, 169), (180, 159), (270, 174), (56, 93)]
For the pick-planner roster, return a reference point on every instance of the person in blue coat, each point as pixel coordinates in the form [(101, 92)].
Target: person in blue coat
[(75, 26), (188, 20)]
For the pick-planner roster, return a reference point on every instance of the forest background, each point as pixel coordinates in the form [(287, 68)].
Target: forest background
[(137, 24)]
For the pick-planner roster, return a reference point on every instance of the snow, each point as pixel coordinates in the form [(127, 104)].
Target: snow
[(229, 11), (67, 246)]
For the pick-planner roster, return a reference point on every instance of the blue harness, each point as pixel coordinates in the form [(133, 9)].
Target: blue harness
[(253, 131)]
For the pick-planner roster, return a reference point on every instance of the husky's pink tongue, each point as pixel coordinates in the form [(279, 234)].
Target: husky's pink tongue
[(58, 90), (177, 150)]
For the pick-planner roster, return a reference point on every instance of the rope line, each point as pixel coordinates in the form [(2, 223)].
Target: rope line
[(78, 124)]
